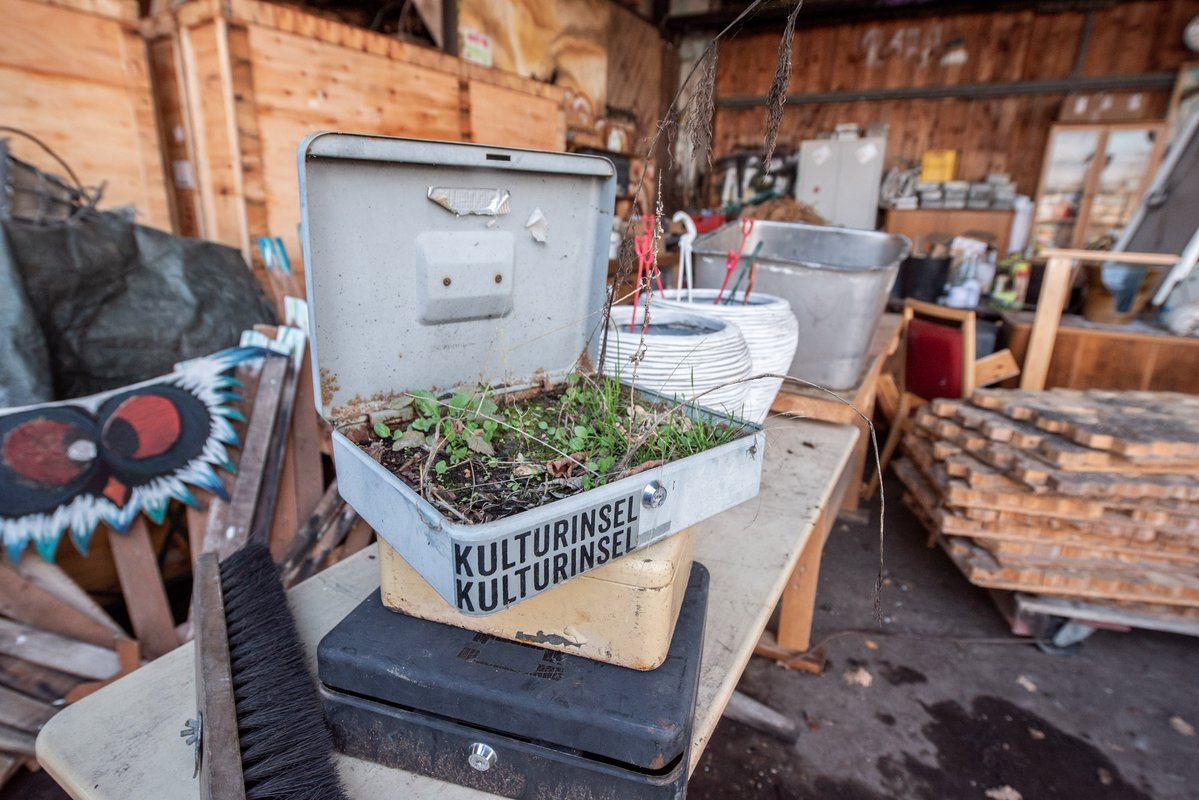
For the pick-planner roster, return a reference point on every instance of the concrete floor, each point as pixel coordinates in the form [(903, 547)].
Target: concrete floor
[(946, 715), (946, 718)]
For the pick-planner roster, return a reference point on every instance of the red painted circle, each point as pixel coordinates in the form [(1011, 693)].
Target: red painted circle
[(153, 419), (37, 450)]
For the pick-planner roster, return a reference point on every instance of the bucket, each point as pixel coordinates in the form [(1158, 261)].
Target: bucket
[(923, 278), (836, 280)]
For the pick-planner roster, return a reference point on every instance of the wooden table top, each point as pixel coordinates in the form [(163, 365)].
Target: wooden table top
[(123, 741)]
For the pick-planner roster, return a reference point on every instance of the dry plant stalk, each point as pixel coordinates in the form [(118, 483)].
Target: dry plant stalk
[(666, 127), (702, 106), (778, 87)]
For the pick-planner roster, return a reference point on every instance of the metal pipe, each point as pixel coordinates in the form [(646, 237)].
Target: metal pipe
[(1084, 43), (1103, 83), (827, 14)]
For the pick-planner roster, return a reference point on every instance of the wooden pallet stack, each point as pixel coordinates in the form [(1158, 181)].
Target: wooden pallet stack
[(1077, 494)]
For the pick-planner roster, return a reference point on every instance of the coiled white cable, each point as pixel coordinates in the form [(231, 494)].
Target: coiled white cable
[(770, 330), (686, 355)]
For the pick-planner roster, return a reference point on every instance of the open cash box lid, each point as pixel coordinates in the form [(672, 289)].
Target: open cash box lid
[(432, 265)]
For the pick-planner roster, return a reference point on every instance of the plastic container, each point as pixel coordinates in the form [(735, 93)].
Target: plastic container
[(923, 278), (433, 265), (622, 613), (836, 280)]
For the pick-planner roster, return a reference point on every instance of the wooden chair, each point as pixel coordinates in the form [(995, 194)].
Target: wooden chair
[(937, 359)]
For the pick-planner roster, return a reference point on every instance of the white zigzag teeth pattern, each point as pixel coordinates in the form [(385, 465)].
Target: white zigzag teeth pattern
[(205, 378)]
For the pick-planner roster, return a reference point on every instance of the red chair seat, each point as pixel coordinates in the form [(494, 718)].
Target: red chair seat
[(934, 360)]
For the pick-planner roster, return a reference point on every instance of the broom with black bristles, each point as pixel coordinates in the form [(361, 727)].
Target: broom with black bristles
[(261, 731)]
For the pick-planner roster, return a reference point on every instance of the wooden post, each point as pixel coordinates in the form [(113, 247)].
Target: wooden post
[(141, 583), (1055, 287)]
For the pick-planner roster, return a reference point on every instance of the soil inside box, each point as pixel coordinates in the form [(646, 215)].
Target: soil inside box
[(478, 457)]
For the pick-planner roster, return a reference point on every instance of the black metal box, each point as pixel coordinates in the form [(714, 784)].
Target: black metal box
[(509, 718)]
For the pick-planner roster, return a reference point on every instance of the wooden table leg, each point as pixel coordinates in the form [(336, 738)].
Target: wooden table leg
[(862, 452), (799, 597)]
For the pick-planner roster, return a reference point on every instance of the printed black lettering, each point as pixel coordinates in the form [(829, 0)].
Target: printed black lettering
[(586, 556), (605, 515), (574, 561), (587, 522), (541, 541), (520, 573), (484, 605), (541, 575), (509, 599), (559, 568), (481, 561), (462, 596), (628, 539), (631, 514), (574, 529), (520, 539), (618, 515), (602, 545), (560, 528), (462, 560), (618, 544), (508, 564)]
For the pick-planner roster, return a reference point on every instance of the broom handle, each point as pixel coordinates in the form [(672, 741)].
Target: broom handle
[(220, 749)]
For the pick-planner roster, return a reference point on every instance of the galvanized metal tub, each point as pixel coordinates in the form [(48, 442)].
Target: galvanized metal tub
[(836, 279)]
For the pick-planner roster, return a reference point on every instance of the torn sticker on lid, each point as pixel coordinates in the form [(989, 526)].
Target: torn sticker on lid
[(464, 200), (538, 225)]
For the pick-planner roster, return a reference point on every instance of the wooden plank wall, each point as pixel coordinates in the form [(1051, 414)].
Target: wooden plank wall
[(75, 75), (303, 85), (245, 82), (560, 39), (636, 63), (995, 134)]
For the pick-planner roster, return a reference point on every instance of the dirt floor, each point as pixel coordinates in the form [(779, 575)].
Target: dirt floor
[(940, 704), (923, 708)]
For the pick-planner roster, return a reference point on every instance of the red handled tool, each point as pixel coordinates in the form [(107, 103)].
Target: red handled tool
[(644, 246), (747, 227)]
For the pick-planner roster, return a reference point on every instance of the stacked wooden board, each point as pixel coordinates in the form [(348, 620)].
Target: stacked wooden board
[(1076, 494), (55, 642)]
